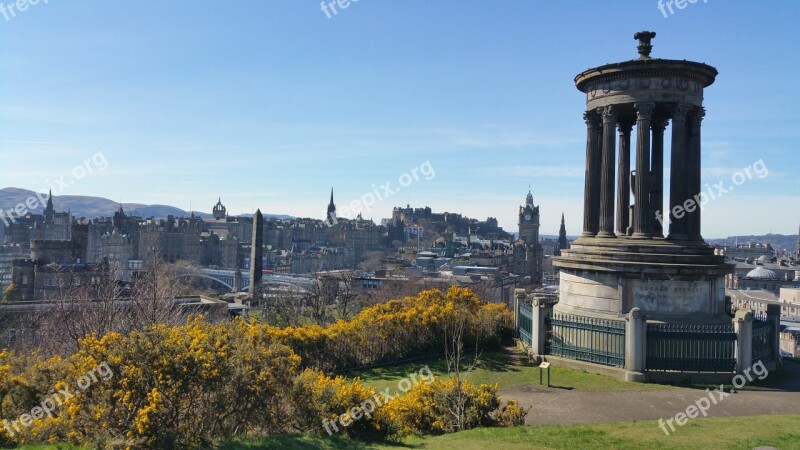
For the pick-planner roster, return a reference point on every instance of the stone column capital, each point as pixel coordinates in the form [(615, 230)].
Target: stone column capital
[(659, 125), (608, 113), (696, 116), (644, 110), (592, 119), (680, 110), (625, 127)]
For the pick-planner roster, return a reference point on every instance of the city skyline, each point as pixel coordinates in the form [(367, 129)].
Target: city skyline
[(293, 102)]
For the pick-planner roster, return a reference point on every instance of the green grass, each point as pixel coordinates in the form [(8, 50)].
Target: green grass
[(719, 433), (734, 433), (708, 434), (724, 433), (505, 369)]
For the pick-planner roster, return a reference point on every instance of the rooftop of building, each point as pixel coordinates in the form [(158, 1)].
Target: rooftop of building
[(762, 273), (752, 295)]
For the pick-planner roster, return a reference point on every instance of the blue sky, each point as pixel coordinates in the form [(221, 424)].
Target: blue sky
[(270, 103)]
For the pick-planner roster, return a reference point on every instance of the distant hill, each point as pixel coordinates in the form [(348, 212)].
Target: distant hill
[(90, 207), (778, 241)]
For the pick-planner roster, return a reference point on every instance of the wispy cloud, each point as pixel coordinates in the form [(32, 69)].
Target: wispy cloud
[(528, 171)]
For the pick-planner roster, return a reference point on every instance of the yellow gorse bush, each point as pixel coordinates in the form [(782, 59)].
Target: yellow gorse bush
[(395, 330), (428, 407), (183, 386)]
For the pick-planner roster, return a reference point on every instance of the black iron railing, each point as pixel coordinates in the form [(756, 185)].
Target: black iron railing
[(600, 341), (691, 347), (763, 341)]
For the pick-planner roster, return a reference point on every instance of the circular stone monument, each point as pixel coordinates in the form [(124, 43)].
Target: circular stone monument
[(636, 249)]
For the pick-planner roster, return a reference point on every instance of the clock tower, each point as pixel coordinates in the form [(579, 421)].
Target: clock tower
[(528, 252), (529, 221)]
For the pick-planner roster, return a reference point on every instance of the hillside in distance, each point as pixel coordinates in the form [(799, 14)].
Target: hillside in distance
[(90, 207), (778, 241)]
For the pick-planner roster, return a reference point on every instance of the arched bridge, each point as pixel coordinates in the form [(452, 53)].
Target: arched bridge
[(227, 278)]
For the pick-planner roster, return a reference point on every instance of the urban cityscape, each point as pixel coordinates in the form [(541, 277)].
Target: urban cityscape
[(479, 232)]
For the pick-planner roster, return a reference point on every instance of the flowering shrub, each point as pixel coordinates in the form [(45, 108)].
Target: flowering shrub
[(511, 415), (430, 408), (320, 400), (184, 386), (396, 330)]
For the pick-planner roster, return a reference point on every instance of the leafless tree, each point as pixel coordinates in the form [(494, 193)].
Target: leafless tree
[(460, 359), (284, 306), (152, 295), (98, 302)]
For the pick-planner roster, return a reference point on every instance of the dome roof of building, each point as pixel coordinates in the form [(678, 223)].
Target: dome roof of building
[(761, 273)]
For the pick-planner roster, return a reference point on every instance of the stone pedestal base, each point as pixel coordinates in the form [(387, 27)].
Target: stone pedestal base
[(668, 281)]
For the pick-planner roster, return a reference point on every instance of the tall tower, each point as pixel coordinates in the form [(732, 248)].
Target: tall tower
[(563, 243), (256, 253), (49, 211), (331, 215), (219, 211), (529, 221), (120, 219), (797, 253), (528, 252)]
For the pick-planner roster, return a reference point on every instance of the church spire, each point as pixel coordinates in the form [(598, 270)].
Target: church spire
[(49, 211), (563, 244), (50, 208), (331, 216)]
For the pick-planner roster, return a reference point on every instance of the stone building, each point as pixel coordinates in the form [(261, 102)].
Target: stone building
[(528, 254), (762, 278), (219, 212)]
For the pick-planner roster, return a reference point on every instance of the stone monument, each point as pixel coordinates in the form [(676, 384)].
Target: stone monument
[(636, 251)]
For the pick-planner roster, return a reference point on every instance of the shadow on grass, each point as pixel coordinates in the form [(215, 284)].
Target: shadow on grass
[(502, 360), (436, 364), (787, 379), (499, 360)]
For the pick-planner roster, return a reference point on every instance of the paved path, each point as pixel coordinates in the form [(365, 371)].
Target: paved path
[(562, 406)]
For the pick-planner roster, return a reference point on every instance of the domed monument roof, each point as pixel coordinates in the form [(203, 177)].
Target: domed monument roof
[(761, 273)]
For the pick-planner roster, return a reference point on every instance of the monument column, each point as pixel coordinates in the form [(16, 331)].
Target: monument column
[(641, 216), (693, 175), (609, 114), (657, 174), (624, 178), (677, 186), (591, 210)]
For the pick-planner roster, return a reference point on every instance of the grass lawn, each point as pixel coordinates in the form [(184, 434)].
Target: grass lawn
[(504, 368), (718, 433), (709, 434), (728, 433)]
